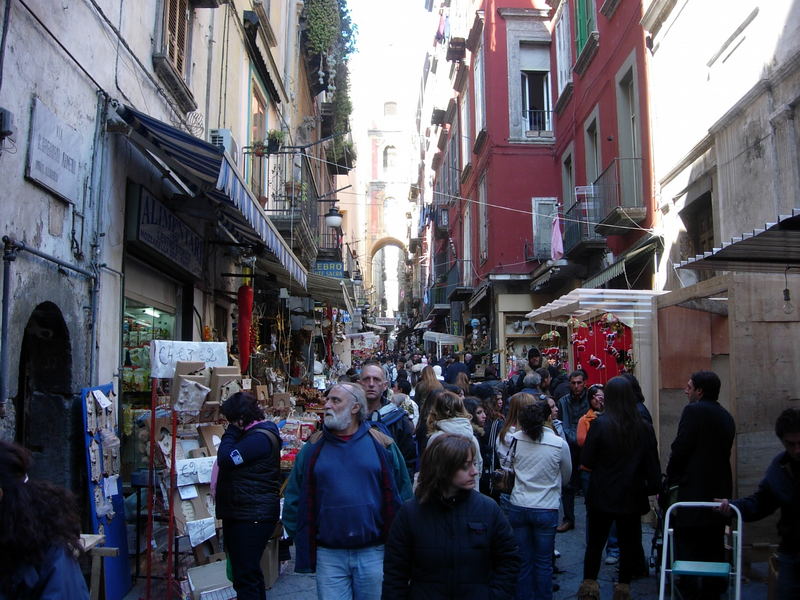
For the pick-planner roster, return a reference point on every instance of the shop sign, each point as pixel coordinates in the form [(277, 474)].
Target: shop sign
[(165, 353), (386, 321), (329, 268), (161, 230), (52, 155)]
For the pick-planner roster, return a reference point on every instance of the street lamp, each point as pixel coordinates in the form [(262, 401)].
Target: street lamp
[(333, 218)]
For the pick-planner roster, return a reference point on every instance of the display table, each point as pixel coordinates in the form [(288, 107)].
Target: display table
[(91, 543)]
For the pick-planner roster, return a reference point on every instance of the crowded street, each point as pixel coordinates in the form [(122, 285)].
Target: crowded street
[(400, 300)]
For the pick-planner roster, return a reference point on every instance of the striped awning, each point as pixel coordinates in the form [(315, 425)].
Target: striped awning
[(211, 171), (773, 249)]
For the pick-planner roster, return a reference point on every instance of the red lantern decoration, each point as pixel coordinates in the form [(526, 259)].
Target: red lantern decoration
[(245, 303)]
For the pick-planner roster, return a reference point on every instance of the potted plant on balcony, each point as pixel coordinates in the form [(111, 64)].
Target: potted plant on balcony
[(296, 191), (341, 157), (275, 139)]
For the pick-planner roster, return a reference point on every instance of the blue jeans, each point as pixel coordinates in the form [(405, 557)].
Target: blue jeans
[(535, 532), (349, 574)]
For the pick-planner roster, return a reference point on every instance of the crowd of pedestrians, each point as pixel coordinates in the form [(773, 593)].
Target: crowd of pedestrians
[(422, 483)]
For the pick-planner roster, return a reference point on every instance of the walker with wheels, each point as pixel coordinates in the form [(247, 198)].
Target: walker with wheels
[(672, 566)]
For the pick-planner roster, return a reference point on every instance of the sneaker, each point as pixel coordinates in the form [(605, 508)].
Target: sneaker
[(556, 553), (612, 559)]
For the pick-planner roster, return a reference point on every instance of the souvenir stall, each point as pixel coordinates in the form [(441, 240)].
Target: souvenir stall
[(189, 383), (442, 343), (605, 332)]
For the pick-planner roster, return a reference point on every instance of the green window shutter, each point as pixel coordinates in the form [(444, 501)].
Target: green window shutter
[(584, 25)]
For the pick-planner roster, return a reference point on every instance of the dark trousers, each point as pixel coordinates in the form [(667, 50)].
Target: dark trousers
[(630, 543), (245, 542), (703, 543), (574, 484)]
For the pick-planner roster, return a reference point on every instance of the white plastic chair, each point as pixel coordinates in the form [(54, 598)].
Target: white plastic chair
[(732, 570)]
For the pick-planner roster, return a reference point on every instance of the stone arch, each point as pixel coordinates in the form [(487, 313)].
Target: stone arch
[(48, 418), (381, 243)]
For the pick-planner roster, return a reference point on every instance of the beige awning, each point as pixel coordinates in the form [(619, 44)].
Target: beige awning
[(772, 249)]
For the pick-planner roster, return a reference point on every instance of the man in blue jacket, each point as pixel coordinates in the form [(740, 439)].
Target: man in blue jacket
[(347, 484), (780, 488)]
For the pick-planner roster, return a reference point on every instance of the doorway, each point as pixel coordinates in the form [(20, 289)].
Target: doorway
[(48, 417)]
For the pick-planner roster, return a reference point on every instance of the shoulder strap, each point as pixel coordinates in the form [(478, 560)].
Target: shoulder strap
[(381, 437), (275, 441)]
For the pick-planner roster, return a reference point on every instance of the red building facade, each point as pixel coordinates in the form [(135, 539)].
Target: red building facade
[(546, 116)]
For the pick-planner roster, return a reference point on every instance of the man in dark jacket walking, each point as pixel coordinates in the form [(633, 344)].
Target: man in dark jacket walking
[(572, 407), (780, 488), (700, 466), (247, 490)]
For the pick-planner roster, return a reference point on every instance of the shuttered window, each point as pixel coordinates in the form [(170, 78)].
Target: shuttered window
[(176, 32)]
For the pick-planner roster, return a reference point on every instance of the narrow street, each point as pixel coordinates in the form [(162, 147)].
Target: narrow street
[(258, 254)]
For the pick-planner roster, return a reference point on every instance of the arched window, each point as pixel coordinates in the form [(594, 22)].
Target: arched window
[(389, 157)]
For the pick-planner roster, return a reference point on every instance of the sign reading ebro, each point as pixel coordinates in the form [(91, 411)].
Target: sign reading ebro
[(329, 268)]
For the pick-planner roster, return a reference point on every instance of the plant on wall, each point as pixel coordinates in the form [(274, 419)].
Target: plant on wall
[(322, 25)]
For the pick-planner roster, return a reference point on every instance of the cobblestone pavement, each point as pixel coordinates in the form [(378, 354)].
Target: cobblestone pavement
[(571, 546)]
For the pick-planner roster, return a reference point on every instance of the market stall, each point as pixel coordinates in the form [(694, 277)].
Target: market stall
[(605, 332), (443, 343)]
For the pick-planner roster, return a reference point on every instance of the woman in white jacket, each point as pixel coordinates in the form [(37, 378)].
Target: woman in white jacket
[(448, 415), (541, 462)]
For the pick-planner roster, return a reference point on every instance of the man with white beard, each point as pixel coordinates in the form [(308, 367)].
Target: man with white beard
[(347, 484)]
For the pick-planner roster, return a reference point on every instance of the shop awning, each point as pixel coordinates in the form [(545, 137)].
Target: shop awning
[(423, 324), (375, 327), (443, 338), (768, 250), (646, 247), (633, 307), (211, 171), (329, 290)]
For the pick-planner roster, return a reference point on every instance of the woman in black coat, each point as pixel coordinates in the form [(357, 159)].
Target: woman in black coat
[(621, 453), (449, 541), (247, 490)]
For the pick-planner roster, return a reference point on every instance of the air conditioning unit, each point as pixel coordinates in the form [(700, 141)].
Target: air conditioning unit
[(223, 138)]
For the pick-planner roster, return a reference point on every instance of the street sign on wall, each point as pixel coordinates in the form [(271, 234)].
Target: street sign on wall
[(329, 268), (386, 321)]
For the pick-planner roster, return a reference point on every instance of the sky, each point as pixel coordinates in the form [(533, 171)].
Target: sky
[(393, 36)]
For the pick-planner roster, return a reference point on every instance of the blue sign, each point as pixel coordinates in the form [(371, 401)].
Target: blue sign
[(329, 268)]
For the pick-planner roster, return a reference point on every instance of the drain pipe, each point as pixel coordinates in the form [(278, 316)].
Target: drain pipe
[(10, 249)]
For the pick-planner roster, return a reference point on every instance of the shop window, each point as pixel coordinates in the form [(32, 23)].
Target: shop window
[(141, 325)]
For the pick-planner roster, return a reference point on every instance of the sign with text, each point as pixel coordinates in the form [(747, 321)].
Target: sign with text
[(53, 159), (329, 268), (165, 353), (162, 231), (386, 321)]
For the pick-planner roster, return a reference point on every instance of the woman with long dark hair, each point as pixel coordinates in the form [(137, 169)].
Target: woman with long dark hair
[(449, 415), (39, 534), (542, 463), (622, 455), (426, 384), (247, 490), (449, 541)]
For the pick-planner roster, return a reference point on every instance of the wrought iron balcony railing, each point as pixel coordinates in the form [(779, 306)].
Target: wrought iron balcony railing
[(619, 190)]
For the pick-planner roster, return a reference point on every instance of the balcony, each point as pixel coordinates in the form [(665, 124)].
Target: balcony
[(538, 123), (621, 202), (455, 287), (293, 207), (580, 234)]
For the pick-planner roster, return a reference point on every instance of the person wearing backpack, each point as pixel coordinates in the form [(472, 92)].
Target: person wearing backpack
[(386, 416), (348, 483)]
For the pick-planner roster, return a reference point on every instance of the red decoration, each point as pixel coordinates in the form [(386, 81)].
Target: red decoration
[(245, 303)]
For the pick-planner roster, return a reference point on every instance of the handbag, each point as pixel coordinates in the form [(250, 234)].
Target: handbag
[(503, 478)]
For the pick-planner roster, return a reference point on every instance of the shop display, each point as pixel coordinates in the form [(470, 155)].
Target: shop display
[(140, 326)]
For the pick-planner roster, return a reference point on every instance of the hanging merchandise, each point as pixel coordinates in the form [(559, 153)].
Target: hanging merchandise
[(245, 305)]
